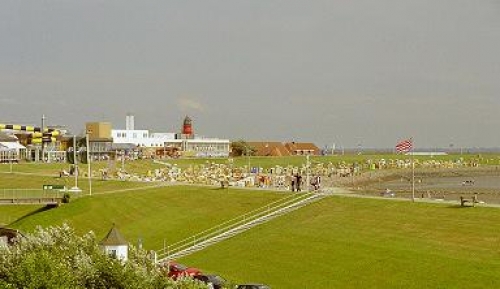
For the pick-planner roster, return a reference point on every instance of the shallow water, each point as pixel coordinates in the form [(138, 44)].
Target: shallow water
[(447, 188)]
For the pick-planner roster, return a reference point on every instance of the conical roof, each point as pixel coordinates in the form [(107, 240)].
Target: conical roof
[(114, 238)]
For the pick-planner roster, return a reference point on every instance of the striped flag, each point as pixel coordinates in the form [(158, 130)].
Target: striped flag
[(404, 146)]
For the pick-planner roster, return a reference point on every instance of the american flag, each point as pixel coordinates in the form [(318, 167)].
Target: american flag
[(404, 146)]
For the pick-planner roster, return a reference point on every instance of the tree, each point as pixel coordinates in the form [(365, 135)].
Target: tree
[(242, 148), (57, 258)]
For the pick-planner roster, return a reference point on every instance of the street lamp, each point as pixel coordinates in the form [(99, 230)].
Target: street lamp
[(88, 163), (248, 156), (11, 158), (75, 189), (43, 144), (307, 172)]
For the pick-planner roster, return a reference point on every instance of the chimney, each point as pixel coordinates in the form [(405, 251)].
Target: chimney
[(129, 122)]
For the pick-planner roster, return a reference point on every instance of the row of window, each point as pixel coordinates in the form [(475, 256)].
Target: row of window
[(152, 145), (134, 135), (208, 147)]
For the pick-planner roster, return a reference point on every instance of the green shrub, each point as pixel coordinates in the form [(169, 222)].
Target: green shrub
[(57, 258), (66, 197)]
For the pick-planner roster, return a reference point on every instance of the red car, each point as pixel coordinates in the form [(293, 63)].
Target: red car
[(175, 270)]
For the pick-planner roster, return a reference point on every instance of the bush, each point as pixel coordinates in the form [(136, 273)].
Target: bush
[(56, 257), (66, 197)]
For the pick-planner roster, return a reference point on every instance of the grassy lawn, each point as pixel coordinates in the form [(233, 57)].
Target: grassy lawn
[(154, 215), (361, 243), (335, 243), (11, 213)]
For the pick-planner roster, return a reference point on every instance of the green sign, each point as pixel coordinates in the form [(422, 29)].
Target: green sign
[(53, 187)]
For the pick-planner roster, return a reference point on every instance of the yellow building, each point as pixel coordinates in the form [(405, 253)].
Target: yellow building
[(98, 130), (100, 139)]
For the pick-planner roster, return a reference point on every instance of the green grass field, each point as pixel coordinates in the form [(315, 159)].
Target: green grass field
[(335, 243), (364, 243), (30, 185), (338, 242), (154, 215)]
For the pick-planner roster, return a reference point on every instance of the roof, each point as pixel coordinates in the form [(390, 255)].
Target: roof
[(123, 146), (11, 234), (5, 137), (100, 139), (303, 146), (114, 238), (269, 149), (11, 145)]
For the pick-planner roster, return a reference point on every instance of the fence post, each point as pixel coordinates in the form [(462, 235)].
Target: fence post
[(164, 242)]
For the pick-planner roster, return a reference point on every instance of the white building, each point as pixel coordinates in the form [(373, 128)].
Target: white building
[(190, 147), (115, 245), (201, 147), (139, 137), (10, 148)]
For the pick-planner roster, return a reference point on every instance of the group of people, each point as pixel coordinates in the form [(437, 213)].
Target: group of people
[(297, 181)]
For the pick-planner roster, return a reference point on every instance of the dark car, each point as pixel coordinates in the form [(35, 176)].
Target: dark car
[(215, 280), (252, 286)]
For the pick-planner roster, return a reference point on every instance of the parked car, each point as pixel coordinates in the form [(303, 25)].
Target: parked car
[(216, 281), (176, 270), (252, 286)]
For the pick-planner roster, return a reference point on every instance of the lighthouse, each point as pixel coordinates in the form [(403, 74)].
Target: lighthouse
[(187, 127)]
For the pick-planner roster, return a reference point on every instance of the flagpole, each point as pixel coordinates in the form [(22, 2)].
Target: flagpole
[(412, 174), (406, 146)]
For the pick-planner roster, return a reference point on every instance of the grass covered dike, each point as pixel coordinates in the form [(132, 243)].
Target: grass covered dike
[(155, 215), (364, 243), (337, 243)]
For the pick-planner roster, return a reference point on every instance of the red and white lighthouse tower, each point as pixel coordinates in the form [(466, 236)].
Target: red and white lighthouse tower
[(187, 127)]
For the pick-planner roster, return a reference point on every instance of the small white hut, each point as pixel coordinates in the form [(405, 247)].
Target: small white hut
[(115, 245)]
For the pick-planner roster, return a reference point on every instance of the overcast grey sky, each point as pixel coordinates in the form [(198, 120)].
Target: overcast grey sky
[(358, 72)]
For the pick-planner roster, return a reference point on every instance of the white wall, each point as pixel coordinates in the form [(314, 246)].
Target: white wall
[(121, 252), (141, 137), (202, 147)]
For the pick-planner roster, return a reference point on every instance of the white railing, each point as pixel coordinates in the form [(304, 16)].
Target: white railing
[(231, 225)]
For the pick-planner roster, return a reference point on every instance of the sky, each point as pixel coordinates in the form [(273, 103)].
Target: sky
[(358, 73)]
